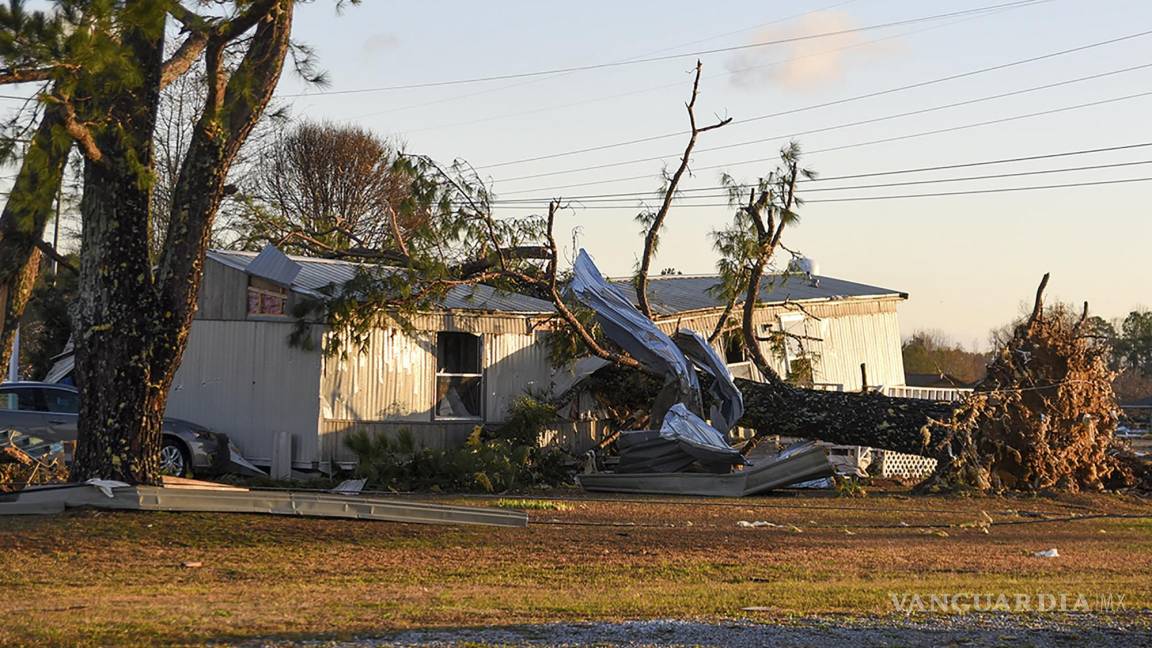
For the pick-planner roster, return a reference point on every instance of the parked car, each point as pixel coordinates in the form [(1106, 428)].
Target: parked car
[(49, 411)]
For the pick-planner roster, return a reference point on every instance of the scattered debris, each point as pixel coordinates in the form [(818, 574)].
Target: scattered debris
[(192, 564), (1049, 553), (25, 461), (350, 487), (686, 455), (211, 498)]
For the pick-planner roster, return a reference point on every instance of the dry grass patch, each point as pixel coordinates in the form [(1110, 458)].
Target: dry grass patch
[(93, 578)]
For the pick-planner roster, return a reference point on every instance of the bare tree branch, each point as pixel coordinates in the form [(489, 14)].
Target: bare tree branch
[(651, 239)]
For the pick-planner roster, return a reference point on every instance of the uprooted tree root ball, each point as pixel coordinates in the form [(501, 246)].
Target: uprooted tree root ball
[(1043, 417)]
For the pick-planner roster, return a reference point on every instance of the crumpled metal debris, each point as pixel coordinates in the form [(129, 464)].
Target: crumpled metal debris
[(727, 404), (634, 332)]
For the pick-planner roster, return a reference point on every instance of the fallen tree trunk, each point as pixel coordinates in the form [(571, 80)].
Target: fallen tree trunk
[(847, 418)]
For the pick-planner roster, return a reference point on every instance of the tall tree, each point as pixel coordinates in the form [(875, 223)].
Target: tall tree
[(134, 311)]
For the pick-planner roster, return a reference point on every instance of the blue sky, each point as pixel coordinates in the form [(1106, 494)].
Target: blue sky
[(967, 261)]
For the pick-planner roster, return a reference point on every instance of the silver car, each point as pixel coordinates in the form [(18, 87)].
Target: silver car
[(49, 411)]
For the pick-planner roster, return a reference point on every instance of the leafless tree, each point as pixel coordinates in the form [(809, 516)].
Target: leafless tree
[(323, 189)]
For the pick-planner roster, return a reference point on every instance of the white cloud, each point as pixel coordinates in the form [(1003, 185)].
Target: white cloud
[(803, 64)]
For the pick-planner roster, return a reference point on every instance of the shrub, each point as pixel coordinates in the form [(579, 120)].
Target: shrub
[(507, 458)]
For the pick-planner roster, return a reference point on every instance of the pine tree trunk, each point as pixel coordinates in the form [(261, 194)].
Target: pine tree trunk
[(116, 320), (848, 418), (119, 426), (27, 210)]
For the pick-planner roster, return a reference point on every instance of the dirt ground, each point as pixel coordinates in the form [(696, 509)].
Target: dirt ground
[(99, 578)]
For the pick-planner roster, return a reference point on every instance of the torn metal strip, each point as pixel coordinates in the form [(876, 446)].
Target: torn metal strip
[(153, 498)]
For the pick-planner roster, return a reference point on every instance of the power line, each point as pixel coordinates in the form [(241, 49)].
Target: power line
[(893, 196), (537, 80), (868, 95), (701, 196), (908, 136), (668, 57), (677, 84), (939, 167), (824, 129)]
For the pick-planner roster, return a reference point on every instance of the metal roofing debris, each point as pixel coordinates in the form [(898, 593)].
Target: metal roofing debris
[(317, 275), (673, 294), (274, 265), (805, 464), (118, 496), (727, 401), (701, 441), (634, 332), (652, 462)]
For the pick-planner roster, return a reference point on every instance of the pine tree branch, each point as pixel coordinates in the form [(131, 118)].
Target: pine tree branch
[(9, 76), (183, 58)]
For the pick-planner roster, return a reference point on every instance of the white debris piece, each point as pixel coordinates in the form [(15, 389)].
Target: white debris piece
[(1050, 553)]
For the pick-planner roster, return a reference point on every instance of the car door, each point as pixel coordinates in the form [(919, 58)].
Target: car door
[(63, 407), (22, 409)]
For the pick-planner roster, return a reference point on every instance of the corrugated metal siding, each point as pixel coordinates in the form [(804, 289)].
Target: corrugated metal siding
[(872, 339), (851, 332), (243, 379), (394, 378), (513, 364), (392, 384)]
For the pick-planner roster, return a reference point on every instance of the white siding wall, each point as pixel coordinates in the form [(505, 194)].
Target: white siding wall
[(243, 379), (849, 340), (392, 386), (850, 333)]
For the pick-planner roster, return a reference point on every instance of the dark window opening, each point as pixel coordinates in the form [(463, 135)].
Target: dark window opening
[(734, 349), (459, 376)]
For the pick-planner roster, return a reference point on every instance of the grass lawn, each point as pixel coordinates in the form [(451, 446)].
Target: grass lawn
[(98, 578)]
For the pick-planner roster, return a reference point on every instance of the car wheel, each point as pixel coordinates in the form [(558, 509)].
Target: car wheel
[(174, 460)]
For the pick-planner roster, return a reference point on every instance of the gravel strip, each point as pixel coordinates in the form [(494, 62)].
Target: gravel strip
[(969, 630)]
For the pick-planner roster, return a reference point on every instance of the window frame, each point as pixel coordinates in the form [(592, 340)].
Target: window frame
[(265, 288), (481, 375), (786, 321)]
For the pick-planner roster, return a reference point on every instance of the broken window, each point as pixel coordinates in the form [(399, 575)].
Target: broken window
[(459, 376), (266, 298), (734, 352), (794, 342)]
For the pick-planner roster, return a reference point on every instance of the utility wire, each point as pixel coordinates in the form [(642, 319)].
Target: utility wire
[(872, 174), (836, 102), (937, 131), (825, 129), (664, 86), (537, 80), (669, 57), (893, 196), (907, 183)]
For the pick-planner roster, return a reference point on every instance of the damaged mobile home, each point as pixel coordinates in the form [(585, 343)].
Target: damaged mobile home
[(465, 362), (686, 455)]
